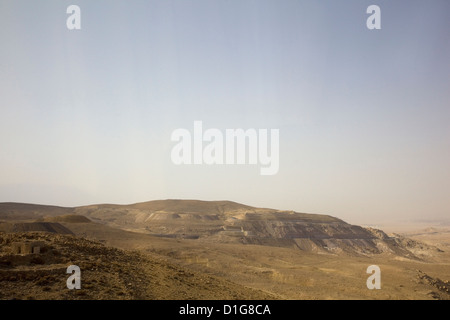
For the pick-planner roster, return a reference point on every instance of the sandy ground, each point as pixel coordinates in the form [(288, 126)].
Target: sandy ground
[(289, 273), (106, 273), (118, 264)]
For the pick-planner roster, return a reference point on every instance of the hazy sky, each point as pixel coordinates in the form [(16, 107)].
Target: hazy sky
[(364, 115)]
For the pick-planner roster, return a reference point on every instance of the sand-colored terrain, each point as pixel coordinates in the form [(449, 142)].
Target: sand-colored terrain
[(106, 273), (217, 250)]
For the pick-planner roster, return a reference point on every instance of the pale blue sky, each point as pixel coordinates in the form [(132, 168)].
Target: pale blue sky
[(86, 115)]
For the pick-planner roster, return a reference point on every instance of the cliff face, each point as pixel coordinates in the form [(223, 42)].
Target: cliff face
[(228, 222)]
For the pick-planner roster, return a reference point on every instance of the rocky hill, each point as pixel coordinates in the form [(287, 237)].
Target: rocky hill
[(26, 211), (225, 222), (179, 249), (52, 227)]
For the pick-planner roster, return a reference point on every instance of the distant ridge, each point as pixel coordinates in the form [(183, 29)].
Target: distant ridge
[(35, 226), (213, 221), (68, 218), (14, 211)]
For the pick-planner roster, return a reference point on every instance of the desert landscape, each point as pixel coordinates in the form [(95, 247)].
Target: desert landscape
[(194, 250)]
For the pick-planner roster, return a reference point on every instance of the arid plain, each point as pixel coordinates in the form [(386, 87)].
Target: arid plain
[(190, 249)]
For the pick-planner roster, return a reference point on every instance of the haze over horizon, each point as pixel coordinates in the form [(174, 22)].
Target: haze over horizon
[(391, 222), (86, 115)]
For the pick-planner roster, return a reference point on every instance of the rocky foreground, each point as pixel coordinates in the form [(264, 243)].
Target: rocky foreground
[(106, 273)]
